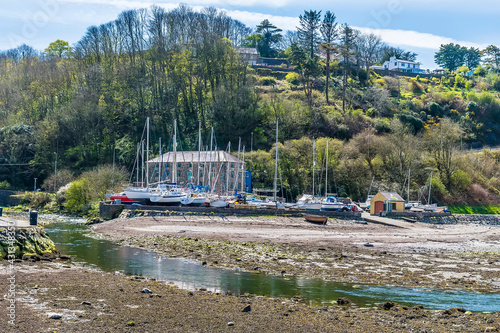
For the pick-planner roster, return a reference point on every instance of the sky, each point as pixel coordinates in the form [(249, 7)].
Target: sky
[(419, 26)]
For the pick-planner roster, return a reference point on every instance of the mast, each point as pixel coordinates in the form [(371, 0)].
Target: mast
[(210, 162), (276, 163), (199, 152), (147, 153), (174, 167), (326, 176), (243, 169), (430, 186), (142, 163), (409, 174), (314, 162), (227, 170), (161, 162), (137, 158)]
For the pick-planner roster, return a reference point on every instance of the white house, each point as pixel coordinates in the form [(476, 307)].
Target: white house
[(406, 66)]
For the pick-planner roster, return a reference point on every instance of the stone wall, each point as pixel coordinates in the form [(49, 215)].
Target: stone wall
[(220, 211)]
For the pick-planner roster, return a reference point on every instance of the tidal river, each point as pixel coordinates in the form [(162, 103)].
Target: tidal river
[(73, 239)]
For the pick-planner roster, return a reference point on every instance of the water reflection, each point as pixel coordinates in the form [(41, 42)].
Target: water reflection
[(71, 239)]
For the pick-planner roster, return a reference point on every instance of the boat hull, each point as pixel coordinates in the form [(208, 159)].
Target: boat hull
[(318, 219)]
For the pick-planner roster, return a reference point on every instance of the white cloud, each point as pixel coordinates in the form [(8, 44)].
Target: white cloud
[(416, 39)]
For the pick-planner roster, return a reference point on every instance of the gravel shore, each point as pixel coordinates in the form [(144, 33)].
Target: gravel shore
[(448, 257), (57, 297)]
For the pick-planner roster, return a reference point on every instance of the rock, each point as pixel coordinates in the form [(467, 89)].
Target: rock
[(247, 308), (387, 305), (146, 291), (86, 303), (343, 301), (230, 323), (55, 316)]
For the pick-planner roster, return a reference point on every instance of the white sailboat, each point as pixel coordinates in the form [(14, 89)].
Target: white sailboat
[(170, 194), (141, 193)]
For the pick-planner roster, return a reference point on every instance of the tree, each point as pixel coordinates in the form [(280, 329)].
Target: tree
[(390, 51), (307, 30), (346, 50), (329, 34), (59, 48), (472, 58), (270, 36), (450, 56), (369, 45), (307, 66), (442, 142), (492, 56)]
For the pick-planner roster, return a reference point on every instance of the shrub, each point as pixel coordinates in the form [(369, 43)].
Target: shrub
[(293, 78), (264, 71), (77, 196), (416, 87), (267, 81), (495, 82), (460, 180), (4, 185)]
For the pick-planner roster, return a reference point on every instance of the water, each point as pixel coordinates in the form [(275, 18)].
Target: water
[(72, 239)]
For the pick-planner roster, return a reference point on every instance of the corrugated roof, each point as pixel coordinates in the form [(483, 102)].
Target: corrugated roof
[(192, 157), (392, 196)]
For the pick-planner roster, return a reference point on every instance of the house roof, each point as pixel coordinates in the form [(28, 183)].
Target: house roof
[(392, 196), (192, 157)]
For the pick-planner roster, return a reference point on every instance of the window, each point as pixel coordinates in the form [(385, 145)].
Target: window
[(190, 165), (232, 165), (396, 63), (178, 165), (393, 206), (232, 174), (413, 65)]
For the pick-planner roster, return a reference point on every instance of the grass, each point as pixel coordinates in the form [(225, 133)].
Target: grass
[(483, 209)]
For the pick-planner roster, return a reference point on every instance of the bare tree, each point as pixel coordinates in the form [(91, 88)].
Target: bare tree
[(369, 48)]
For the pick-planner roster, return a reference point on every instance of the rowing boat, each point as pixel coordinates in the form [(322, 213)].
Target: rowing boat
[(315, 218)]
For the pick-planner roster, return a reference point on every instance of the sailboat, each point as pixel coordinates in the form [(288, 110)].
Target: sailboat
[(172, 194), (330, 202), (141, 194), (196, 197), (274, 203)]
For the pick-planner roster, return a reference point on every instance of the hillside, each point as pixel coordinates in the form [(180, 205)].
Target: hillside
[(86, 107)]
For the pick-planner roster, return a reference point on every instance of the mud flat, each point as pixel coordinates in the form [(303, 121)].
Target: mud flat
[(59, 297), (448, 257)]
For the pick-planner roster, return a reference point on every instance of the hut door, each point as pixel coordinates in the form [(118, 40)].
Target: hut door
[(379, 206)]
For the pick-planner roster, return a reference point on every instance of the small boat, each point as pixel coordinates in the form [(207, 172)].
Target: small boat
[(331, 203), (315, 218), (120, 196)]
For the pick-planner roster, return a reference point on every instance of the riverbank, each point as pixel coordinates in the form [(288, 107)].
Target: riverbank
[(82, 300), (448, 257)]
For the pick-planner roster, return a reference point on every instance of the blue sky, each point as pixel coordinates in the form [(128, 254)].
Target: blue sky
[(414, 25)]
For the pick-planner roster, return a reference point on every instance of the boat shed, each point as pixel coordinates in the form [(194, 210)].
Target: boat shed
[(216, 169), (386, 202)]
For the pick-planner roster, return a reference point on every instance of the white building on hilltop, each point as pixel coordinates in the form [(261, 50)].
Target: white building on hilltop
[(406, 66)]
